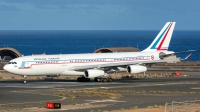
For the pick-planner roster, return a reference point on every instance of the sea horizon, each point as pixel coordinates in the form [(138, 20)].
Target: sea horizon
[(30, 42)]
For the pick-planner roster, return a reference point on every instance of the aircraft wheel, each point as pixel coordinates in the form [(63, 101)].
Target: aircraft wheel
[(88, 79), (104, 79), (110, 80), (85, 79), (96, 79), (79, 79), (24, 79), (82, 79)]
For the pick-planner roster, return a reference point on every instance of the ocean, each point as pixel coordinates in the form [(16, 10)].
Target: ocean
[(29, 42)]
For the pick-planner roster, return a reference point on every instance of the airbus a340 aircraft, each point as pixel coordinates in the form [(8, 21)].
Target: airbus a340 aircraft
[(94, 65)]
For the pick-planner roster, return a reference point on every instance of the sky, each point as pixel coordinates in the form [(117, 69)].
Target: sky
[(98, 14)]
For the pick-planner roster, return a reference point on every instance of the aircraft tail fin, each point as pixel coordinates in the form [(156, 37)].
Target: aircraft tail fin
[(162, 40)]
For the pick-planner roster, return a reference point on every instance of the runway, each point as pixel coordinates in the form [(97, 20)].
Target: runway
[(77, 96)]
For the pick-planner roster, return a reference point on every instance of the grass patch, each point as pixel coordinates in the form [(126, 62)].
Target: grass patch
[(12, 105)]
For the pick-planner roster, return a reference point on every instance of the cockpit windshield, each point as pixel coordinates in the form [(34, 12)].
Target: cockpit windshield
[(12, 62)]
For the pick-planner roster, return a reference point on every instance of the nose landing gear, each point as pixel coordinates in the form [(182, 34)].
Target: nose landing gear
[(25, 78)]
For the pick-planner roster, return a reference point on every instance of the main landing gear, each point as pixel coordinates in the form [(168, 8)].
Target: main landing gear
[(83, 79), (97, 79)]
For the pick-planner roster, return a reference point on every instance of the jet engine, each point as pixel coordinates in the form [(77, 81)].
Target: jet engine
[(136, 69), (93, 73)]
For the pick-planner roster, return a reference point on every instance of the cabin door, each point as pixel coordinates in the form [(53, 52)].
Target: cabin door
[(27, 65)]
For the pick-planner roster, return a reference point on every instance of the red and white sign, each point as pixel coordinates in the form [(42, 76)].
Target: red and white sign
[(50, 105)]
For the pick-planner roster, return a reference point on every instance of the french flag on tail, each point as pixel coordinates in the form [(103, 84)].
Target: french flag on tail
[(162, 40)]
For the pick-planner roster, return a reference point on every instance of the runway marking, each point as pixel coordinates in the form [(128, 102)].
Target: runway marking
[(195, 88), (101, 101), (58, 88), (138, 85), (125, 86), (160, 84), (61, 85), (62, 97)]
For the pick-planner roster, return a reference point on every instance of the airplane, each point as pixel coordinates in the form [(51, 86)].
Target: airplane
[(95, 65)]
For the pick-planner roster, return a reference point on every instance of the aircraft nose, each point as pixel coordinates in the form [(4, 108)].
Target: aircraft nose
[(6, 67)]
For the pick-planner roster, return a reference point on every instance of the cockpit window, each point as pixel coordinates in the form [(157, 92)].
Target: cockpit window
[(12, 62)]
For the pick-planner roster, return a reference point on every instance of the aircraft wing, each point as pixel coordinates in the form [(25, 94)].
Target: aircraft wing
[(121, 64)]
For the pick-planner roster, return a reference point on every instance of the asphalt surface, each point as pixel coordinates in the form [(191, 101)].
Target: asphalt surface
[(134, 92)]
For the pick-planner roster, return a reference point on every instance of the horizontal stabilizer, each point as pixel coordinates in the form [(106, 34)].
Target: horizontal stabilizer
[(187, 57)]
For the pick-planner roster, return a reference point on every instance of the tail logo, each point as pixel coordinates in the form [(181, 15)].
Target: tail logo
[(152, 57), (162, 40), (163, 37)]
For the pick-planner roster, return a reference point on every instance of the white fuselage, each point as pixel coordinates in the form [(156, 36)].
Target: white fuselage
[(62, 64), (95, 65)]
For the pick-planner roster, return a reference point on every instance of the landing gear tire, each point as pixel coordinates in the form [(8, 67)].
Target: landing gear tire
[(103, 79), (88, 79), (110, 80), (96, 79), (83, 79)]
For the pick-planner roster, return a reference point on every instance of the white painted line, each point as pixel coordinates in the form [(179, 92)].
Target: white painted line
[(195, 88), (100, 101)]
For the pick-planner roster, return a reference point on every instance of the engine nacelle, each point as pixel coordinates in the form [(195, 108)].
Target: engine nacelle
[(93, 73), (136, 69)]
